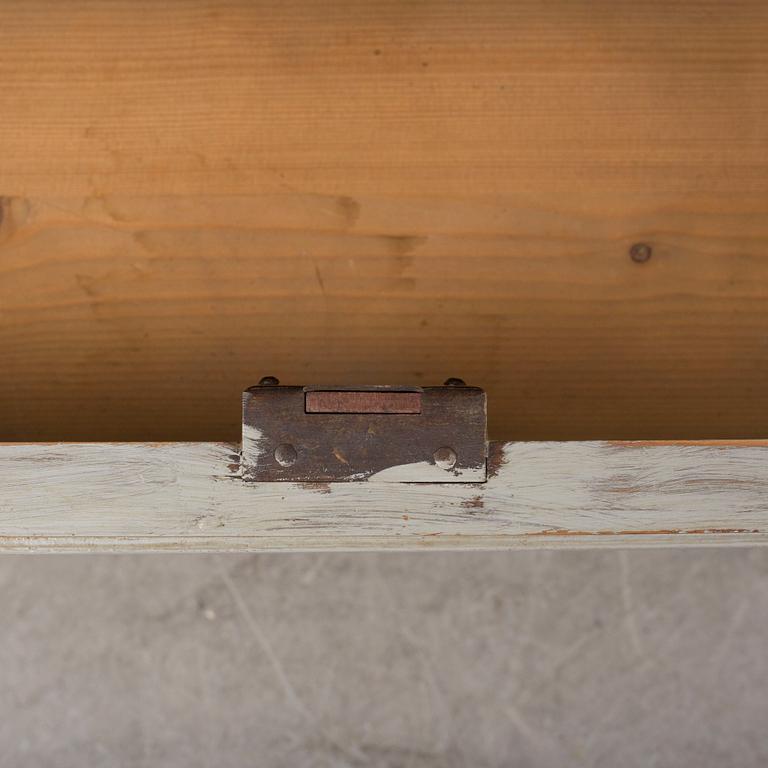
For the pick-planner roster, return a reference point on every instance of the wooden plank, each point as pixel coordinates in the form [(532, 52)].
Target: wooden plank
[(357, 191), (189, 497)]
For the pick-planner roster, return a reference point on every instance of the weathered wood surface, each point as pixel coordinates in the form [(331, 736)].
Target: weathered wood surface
[(199, 193), (189, 497)]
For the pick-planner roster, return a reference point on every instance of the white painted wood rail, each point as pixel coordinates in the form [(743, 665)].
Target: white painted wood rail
[(189, 497)]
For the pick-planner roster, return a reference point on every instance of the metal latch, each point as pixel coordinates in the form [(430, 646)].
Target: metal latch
[(383, 433)]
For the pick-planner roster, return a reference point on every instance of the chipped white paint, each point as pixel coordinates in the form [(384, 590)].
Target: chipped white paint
[(189, 497), (253, 444), (427, 472)]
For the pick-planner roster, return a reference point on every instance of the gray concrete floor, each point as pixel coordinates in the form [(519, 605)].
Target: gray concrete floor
[(636, 658)]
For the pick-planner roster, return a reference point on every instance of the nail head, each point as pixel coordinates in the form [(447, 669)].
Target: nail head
[(445, 458), (285, 455), (640, 252)]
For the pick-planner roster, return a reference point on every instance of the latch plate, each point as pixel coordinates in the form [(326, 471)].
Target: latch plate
[(377, 433)]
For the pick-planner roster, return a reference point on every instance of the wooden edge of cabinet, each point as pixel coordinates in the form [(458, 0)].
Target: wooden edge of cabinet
[(189, 497)]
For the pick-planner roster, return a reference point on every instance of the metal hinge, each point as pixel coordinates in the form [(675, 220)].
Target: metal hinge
[(386, 433)]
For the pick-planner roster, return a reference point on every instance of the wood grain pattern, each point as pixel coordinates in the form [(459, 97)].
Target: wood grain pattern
[(190, 497), (195, 194)]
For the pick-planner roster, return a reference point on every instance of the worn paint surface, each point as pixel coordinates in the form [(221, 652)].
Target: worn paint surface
[(190, 497)]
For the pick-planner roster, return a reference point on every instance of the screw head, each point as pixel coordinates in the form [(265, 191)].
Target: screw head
[(640, 252), (285, 455), (269, 381), (453, 382), (445, 458)]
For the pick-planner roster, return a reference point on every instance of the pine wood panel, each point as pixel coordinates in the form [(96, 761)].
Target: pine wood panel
[(190, 497), (195, 194)]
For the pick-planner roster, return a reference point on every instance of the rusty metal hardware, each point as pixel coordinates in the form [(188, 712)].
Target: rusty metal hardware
[(385, 433)]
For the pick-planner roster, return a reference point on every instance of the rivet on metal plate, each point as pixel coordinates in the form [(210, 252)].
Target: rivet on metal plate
[(364, 433)]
